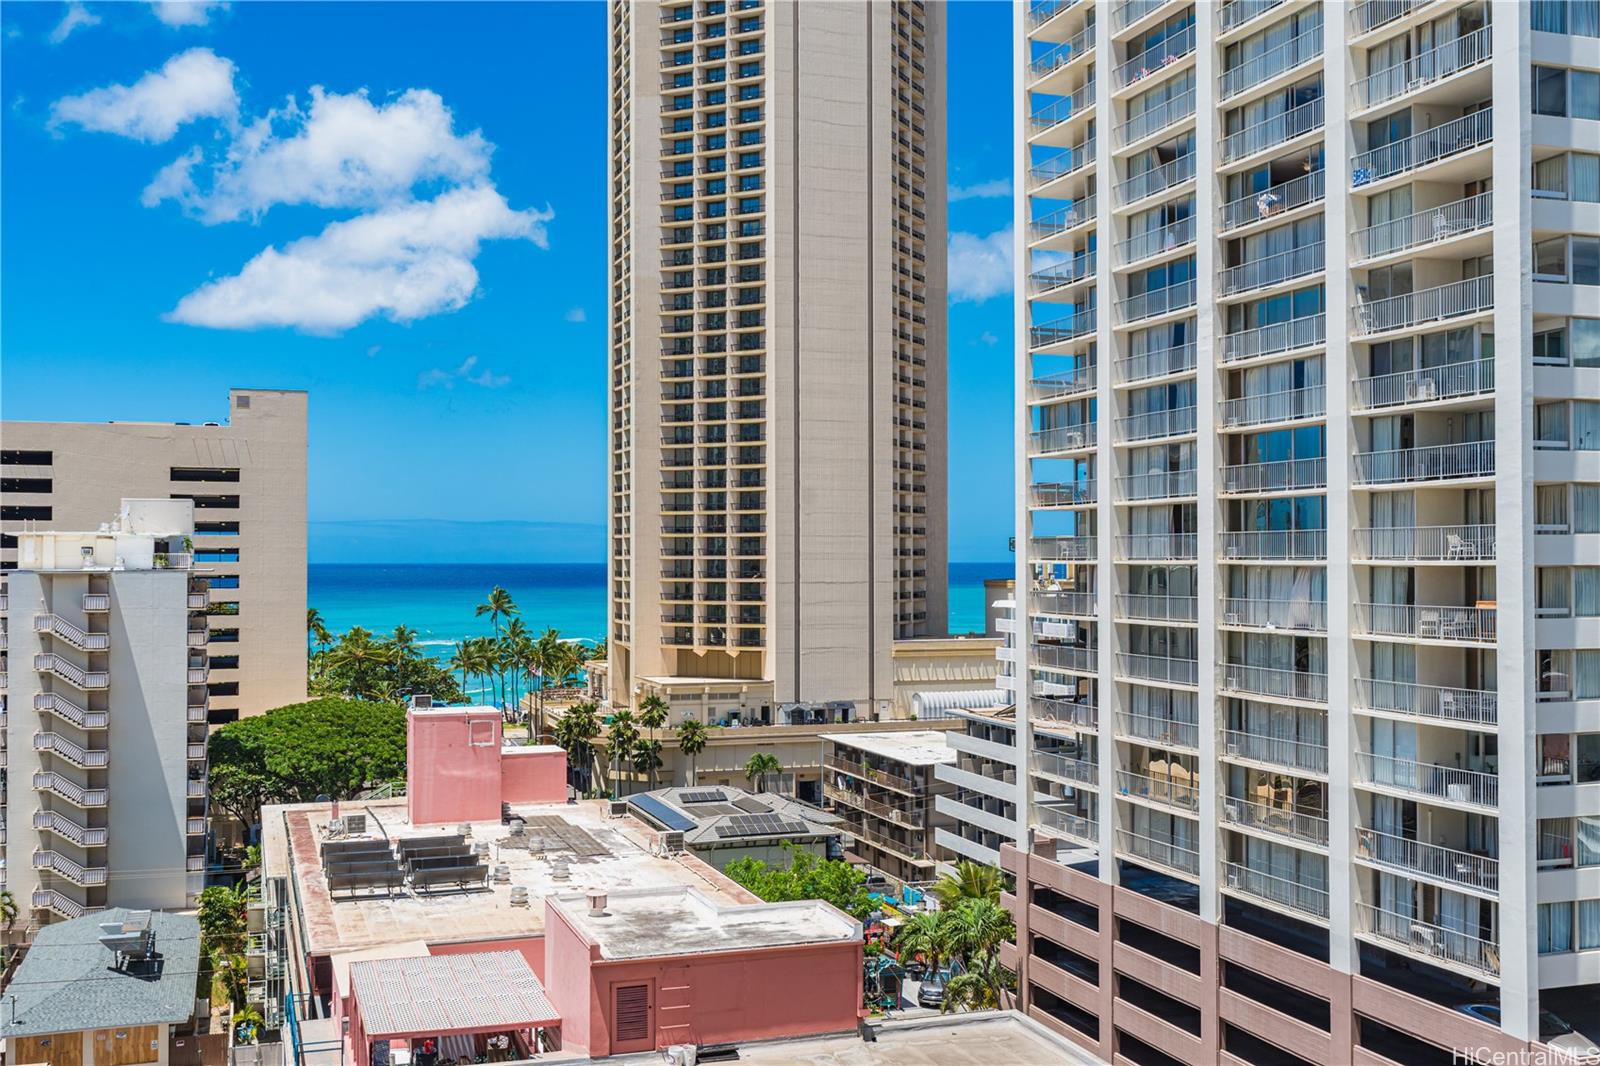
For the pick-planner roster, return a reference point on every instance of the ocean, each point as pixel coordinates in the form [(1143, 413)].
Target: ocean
[(437, 599)]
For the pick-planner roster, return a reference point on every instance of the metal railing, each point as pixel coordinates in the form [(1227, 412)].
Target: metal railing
[(1156, 58), (1305, 45), (1064, 657), (1153, 364), (1148, 608), (1166, 238), (1282, 476), (1285, 406), (1042, 11), (1059, 766), (1470, 377), (48, 899), (1425, 543), (1065, 712), (1063, 219), (64, 866), (1368, 15), (69, 789), (1269, 888), (1275, 200), (1441, 462), (1061, 494), (1273, 131), (1428, 226), (1468, 705), (1062, 438), (1432, 860), (1155, 180), (1174, 297), (1064, 162), (856, 768), (1157, 546), (1156, 485), (1270, 681), (1063, 549), (1268, 818), (1307, 331), (1272, 269), (1470, 624), (58, 705), (1065, 383), (1153, 424), (1424, 779), (1175, 791), (70, 672), (1424, 938), (82, 835), (1058, 111), (1438, 62), (1161, 852), (1279, 751), (1163, 668), (56, 626), (1154, 120), (1080, 323), (1079, 45), (1422, 149), (1232, 13), (1127, 12), (1062, 602), (76, 754), (1065, 823), (1275, 544), (1159, 730), (1305, 616)]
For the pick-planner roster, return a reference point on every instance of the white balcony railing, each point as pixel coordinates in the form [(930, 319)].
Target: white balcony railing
[(1439, 62), (96, 602), (1166, 238), (1473, 625), (69, 790), (1062, 219), (1067, 161), (1470, 377), (1058, 439), (1060, 275), (1408, 856), (1062, 602), (1425, 543), (64, 866), (1368, 15), (1060, 110), (70, 672), (1282, 821), (1063, 657), (1275, 544), (1078, 46), (1174, 790), (1148, 608), (1424, 779), (1286, 406), (1163, 361), (1466, 705), (1065, 712), (57, 704), (1152, 424), (1156, 485), (1308, 331), (83, 836), (1423, 149), (64, 748), (1062, 549), (1126, 12), (1275, 200), (1273, 131), (1235, 13), (1158, 729), (1286, 475), (1441, 462), (1270, 681), (1276, 751), (1079, 323), (1305, 616), (1301, 48), (1163, 668), (1422, 938), (1157, 546), (1429, 226), (1077, 771), (1072, 382), (1438, 304), (1061, 494), (1156, 58), (1269, 888), (1061, 822), (54, 625), (1164, 853), (1155, 180), (1155, 119), (1275, 269), (1153, 302)]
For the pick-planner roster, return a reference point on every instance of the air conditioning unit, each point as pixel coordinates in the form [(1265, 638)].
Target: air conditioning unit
[(1235, 812), (1074, 438), (619, 808), (672, 842), (355, 824), (1230, 618)]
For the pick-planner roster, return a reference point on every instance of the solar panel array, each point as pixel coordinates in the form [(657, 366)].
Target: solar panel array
[(715, 795), (752, 825), (662, 814), (752, 806)]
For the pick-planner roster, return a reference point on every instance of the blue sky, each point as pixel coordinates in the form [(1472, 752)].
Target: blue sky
[(377, 204)]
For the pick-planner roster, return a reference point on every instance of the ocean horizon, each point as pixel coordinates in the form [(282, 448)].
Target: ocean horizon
[(438, 599)]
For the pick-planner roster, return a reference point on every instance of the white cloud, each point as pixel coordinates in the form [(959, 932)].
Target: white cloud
[(984, 190), (577, 314), (447, 378), (186, 12), (342, 152), (191, 85), (77, 17), (979, 266), (988, 339), (404, 262)]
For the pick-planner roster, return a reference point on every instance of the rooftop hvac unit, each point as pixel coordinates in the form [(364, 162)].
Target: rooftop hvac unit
[(502, 874), (619, 808), (355, 824), (519, 895), (672, 842)]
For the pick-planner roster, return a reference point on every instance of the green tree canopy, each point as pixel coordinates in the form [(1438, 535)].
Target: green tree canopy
[(806, 877), (328, 746)]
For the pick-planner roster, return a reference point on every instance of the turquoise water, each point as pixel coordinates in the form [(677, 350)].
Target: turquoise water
[(437, 600)]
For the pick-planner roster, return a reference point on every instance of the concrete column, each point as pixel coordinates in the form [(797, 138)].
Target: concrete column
[(1022, 209), (1514, 548), (1339, 220)]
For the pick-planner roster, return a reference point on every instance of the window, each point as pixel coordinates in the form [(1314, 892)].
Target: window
[(1572, 259), (1585, 341), (25, 457), (18, 512), (1570, 176), (1550, 347), (25, 484), (1555, 928), (224, 662), (1566, 93), (1580, 18)]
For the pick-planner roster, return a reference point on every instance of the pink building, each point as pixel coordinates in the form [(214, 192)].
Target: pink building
[(459, 768), (639, 970)]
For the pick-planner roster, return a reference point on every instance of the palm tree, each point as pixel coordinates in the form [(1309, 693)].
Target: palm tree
[(359, 654), (316, 630), (978, 987), (499, 605), (923, 934), (647, 759), (761, 765), (653, 715), (576, 732), (971, 880), (977, 928), (622, 738), (516, 635), (691, 741), (598, 652), (8, 916), (546, 657), (461, 659)]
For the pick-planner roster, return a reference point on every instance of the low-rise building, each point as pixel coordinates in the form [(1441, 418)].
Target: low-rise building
[(724, 824), (883, 786)]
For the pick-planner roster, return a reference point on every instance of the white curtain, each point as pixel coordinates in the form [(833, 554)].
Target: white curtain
[(1588, 924), (1555, 928), (1586, 508), (1586, 674), (1586, 591), (1588, 850), (1585, 426)]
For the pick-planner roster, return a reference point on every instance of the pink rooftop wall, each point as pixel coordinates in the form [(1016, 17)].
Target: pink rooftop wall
[(458, 771)]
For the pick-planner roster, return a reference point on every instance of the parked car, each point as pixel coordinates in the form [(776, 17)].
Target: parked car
[(1552, 1030), (931, 992)]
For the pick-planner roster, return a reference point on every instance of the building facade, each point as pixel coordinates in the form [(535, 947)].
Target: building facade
[(247, 479), (777, 345), (1308, 370), (105, 799), (886, 789)]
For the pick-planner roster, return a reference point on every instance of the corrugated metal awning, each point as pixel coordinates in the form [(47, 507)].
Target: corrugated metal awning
[(486, 991)]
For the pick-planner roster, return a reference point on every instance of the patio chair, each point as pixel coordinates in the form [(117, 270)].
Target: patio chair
[(1428, 624), (1457, 548)]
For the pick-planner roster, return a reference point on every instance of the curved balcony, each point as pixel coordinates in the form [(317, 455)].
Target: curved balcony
[(1159, 241), (1296, 51), (1275, 200), (1424, 543), (1423, 149), (1143, 607), (1062, 219), (1472, 377), (1151, 425), (1155, 180), (1277, 338), (1164, 668), (1269, 681), (1157, 547), (1269, 270), (1275, 544), (1437, 63), (1424, 228), (1152, 121), (1295, 616), (1287, 475), (63, 708), (63, 748), (1062, 549), (1062, 494), (1273, 131), (1153, 60), (1412, 857), (1059, 440), (1443, 462), (1268, 888), (1468, 625), (1149, 304), (1448, 783), (71, 673), (1278, 821), (1417, 937), (82, 835), (1161, 853), (1157, 485), (1178, 359), (1465, 706), (1275, 751), (1289, 405), (53, 625)]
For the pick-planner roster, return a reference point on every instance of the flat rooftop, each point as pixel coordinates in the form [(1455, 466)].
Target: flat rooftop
[(987, 1039), (599, 852), (924, 747), (685, 921)]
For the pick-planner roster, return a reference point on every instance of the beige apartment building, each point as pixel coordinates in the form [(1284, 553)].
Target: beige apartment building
[(105, 726), (246, 476), (777, 349)]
